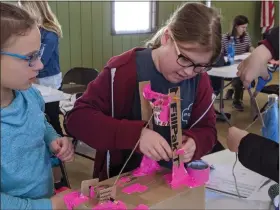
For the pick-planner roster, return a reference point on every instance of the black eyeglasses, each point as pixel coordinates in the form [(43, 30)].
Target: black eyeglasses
[(186, 62)]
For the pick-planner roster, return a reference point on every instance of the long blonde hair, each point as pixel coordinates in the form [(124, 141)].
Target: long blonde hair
[(193, 23), (46, 18)]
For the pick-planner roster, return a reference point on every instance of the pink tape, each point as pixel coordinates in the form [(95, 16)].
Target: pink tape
[(91, 192), (180, 152), (179, 177), (123, 180), (141, 207), (74, 199), (111, 205), (201, 176), (187, 177), (135, 188), (147, 166), (161, 105), (161, 114)]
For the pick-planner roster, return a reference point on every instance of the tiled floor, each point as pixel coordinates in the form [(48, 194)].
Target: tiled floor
[(82, 168)]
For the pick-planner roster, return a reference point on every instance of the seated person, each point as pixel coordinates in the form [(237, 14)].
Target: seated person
[(175, 56), (27, 139), (242, 45)]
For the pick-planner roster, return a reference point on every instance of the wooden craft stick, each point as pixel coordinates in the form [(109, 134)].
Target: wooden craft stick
[(175, 124), (107, 194), (86, 184), (146, 109)]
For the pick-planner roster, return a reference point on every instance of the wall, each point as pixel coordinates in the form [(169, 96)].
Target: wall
[(87, 39), (251, 9)]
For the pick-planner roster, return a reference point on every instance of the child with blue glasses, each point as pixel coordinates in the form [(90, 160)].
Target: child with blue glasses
[(50, 75), (27, 139)]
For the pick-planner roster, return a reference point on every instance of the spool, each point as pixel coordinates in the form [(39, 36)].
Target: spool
[(199, 170)]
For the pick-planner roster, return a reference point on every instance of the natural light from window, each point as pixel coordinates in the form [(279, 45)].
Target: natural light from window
[(132, 17)]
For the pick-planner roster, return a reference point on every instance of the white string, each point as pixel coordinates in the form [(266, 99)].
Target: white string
[(213, 100), (236, 154), (131, 152), (264, 112)]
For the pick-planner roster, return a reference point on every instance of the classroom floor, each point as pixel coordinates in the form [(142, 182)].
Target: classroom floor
[(82, 169)]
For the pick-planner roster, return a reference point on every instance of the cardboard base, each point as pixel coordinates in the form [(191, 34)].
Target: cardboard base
[(159, 195)]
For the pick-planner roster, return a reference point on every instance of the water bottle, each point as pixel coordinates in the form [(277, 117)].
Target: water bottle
[(271, 119), (231, 51)]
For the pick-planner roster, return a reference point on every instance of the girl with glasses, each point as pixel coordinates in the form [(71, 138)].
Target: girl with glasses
[(51, 32), (27, 139), (50, 75), (179, 54)]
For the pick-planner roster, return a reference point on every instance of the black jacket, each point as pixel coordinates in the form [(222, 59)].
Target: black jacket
[(260, 155)]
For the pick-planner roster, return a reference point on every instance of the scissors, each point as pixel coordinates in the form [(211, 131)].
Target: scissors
[(259, 87)]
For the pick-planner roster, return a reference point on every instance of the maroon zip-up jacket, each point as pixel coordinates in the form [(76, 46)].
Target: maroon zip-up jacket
[(90, 120)]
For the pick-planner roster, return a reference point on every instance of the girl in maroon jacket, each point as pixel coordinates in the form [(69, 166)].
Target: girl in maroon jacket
[(179, 54)]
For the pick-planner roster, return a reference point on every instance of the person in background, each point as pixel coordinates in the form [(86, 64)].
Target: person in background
[(256, 64), (251, 147), (255, 152), (27, 139), (179, 54), (242, 45), (50, 75), (51, 32)]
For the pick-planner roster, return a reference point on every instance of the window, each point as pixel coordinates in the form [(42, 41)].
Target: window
[(208, 3), (133, 17)]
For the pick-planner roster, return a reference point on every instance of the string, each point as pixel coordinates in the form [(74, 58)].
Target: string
[(236, 154), (213, 100), (132, 152), (264, 112)]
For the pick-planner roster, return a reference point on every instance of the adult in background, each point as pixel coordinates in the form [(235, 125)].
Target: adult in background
[(51, 32), (50, 75), (242, 45)]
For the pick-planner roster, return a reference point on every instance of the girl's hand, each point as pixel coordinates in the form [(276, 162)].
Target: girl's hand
[(189, 148), (154, 146), (63, 148)]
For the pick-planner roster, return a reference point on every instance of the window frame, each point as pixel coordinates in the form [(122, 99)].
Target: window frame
[(153, 21), (208, 3)]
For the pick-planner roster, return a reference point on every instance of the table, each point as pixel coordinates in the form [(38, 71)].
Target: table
[(215, 200), (51, 95), (226, 72)]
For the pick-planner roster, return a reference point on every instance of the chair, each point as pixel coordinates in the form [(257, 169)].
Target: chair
[(55, 161), (76, 79)]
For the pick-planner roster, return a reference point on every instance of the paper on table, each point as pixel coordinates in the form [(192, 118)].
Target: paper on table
[(221, 178), (45, 91), (248, 182)]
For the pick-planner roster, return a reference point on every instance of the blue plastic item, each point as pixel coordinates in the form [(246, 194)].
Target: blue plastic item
[(262, 83), (271, 119), (231, 51)]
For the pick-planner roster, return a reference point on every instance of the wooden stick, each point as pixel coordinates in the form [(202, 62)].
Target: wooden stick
[(175, 124), (86, 184), (146, 109)]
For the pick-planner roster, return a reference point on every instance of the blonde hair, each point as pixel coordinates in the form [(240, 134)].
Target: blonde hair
[(193, 23), (46, 18)]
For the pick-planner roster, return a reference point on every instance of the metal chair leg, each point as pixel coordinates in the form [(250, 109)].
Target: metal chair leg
[(65, 181)]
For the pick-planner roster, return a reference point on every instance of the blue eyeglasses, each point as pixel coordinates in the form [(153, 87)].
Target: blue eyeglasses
[(30, 59)]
